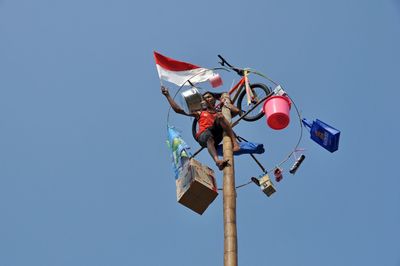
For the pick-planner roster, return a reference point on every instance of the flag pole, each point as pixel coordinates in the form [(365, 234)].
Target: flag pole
[(229, 198)]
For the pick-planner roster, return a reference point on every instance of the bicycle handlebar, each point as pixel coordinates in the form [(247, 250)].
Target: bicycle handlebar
[(239, 71), (223, 61)]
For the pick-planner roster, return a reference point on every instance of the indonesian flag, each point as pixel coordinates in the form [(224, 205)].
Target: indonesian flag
[(179, 72)]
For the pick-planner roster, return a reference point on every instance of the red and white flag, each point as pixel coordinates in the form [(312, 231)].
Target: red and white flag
[(179, 72)]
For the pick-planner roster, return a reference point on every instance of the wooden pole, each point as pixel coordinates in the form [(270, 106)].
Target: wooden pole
[(229, 199)]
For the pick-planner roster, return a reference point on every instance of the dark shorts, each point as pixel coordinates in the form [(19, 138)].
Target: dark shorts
[(215, 131)]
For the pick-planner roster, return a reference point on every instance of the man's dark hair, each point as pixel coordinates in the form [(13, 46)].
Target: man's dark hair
[(215, 95)]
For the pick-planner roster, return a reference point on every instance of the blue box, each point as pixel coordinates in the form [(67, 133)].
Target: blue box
[(323, 134)]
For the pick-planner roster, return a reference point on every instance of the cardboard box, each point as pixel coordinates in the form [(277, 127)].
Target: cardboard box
[(267, 186), (196, 187)]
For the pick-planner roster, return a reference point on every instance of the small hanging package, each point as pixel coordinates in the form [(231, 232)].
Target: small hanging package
[(323, 134)]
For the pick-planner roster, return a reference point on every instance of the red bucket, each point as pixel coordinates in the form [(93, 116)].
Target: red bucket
[(277, 109)]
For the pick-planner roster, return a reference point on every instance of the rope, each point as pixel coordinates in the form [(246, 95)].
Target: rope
[(240, 186)]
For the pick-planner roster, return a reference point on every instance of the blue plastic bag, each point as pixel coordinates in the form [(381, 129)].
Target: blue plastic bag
[(323, 134), (179, 150), (246, 147)]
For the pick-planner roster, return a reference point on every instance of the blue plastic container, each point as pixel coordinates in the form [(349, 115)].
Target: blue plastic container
[(323, 134)]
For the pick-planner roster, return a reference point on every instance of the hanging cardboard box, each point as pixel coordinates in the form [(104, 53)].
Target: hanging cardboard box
[(196, 187)]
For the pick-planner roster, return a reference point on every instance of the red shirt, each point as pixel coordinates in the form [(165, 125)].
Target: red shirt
[(205, 121)]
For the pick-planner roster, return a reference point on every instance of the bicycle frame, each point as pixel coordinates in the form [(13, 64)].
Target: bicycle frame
[(243, 82), (255, 93)]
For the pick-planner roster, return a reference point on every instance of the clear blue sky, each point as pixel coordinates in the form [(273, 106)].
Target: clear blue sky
[(85, 175)]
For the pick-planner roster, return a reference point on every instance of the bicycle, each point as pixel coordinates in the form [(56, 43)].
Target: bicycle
[(243, 89)]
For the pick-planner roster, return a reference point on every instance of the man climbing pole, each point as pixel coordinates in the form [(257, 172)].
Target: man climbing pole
[(212, 124)]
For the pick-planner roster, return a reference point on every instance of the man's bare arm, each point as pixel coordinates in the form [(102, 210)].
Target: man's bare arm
[(174, 105), (228, 103)]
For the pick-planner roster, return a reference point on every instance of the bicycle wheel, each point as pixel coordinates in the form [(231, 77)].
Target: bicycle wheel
[(260, 91), (194, 128)]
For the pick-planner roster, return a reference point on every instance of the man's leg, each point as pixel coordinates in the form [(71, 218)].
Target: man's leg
[(213, 152), (206, 139), (226, 126)]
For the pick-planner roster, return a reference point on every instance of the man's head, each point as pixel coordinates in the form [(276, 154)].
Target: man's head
[(210, 98)]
